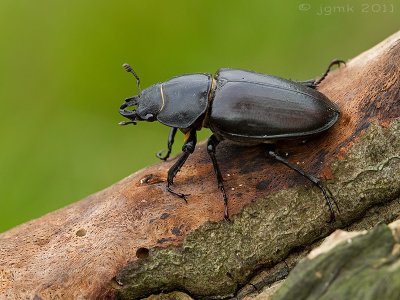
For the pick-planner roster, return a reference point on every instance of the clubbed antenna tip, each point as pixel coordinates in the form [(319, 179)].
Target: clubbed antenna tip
[(129, 69)]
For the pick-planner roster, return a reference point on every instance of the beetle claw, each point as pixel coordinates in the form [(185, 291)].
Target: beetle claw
[(160, 155), (180, 195)]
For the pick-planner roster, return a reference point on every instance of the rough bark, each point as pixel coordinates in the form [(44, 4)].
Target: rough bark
[(134, 238), (349, 265)]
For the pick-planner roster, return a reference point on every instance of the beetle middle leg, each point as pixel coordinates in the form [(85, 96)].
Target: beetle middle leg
[(187, 148), (171, 138), (327, 194), (211, 149), (314, 83)]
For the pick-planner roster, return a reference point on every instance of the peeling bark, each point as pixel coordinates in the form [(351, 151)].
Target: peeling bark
[(134, 239), (349, 265)]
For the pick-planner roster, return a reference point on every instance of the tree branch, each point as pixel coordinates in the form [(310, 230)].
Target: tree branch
[(134, 238)]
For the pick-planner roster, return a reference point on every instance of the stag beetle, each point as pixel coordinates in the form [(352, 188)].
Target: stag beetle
[(237, 105)]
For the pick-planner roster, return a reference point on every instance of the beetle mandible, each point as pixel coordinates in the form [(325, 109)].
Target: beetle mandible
[(237, 105)]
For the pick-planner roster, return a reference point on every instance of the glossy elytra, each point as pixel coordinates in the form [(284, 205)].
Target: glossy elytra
[(237, 105)]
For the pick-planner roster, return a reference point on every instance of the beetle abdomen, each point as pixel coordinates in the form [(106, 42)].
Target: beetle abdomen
[(252, 107)]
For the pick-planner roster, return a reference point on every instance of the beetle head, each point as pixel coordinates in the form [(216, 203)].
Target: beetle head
[(145, 106)]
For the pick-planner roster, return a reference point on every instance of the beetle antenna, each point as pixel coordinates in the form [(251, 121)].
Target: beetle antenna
[(129, 69)]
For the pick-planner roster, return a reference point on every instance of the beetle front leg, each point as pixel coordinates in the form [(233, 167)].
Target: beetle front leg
[(187, 148), (327, 194), (171, 138), (211, 149)]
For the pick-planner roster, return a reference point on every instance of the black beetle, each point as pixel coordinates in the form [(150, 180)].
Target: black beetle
[(237, 105)]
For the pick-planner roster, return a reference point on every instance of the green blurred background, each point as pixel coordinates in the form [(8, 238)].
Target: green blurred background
[(62, 83)]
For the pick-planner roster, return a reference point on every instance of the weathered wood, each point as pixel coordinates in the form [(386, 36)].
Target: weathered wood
[(134, 238), (349, 265)]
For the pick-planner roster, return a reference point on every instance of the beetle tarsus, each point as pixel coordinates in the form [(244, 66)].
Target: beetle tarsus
[(312, 83), (334, 62), (327, 194), (180, 195), (160, 155), (212, 144), (328, 198), (226, 211), (171, 138)]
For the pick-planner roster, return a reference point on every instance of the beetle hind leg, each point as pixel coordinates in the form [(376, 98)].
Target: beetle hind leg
[(314, 83), (212, 144), (336, 62), (326, 192), (310, 83)]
